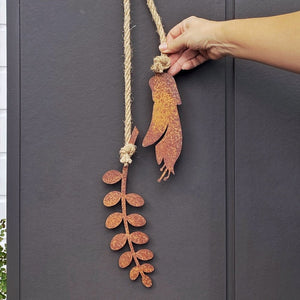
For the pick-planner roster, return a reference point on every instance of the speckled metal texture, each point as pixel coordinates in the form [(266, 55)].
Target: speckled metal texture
[(165, 123), (135, 220)]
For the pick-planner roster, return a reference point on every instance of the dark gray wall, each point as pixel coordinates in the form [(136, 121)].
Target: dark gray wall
[(67, 128), (267, 173)]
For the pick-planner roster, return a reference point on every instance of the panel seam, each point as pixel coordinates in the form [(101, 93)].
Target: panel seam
[(230, 164), (20, 128)]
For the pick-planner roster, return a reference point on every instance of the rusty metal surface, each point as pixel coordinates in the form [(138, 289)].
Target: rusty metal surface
[(136, 220), (165, 123)]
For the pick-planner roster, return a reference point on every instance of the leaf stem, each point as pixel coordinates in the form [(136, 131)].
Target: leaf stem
[(132, 140), (124, 213)]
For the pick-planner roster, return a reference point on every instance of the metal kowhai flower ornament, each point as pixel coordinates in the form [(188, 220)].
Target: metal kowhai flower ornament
[(165, 124)]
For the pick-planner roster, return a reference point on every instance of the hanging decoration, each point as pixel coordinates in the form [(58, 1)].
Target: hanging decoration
[(165, 123), (114, 176), (135, 220)]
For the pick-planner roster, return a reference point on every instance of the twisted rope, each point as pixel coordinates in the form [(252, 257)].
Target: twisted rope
[(128, 150), (161, 62)]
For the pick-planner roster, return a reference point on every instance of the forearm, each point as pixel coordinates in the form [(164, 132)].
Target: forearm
[(271, 40)]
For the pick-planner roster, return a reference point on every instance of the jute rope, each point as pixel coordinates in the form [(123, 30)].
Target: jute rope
[(128, 150), (161, 62)]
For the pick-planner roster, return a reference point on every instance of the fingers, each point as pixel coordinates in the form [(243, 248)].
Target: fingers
[(175, 40), (175, 31), (194, 62), (182, 58), (174, 57), (174, 45), (183, 63), (177, 61)]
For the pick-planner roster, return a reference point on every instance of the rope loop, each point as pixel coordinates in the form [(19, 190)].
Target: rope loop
[(125, 154), (160, 63)]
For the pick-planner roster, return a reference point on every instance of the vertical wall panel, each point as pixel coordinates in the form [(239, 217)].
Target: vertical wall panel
[(71, 130), (3, 112), (267, 173), (13, 146), (72, 112)]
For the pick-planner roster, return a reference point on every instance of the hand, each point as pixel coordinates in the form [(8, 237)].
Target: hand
[(192, 42)]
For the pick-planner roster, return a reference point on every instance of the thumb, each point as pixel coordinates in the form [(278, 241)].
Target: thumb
[(174, 45)]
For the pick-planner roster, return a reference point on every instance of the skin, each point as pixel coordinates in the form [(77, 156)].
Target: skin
[(270, 40)]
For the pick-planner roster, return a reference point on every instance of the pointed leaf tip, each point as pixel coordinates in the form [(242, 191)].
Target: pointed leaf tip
[(112, 176)]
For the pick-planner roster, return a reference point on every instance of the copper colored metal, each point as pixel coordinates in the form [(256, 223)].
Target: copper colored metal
[(134, 200), (118, 241), (112, 176), (114, 220), (142, 269), (144, 254), (165, 123), (125, 259), (139, 237), (135, 220), (112, 198)]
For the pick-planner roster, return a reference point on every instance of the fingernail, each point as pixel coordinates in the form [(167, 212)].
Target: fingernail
[(163, 46)]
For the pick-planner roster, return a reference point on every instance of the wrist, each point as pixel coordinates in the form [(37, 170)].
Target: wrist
[(225, 37)]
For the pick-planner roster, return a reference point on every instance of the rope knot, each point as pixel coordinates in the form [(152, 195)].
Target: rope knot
[(125, 154), (160, 63)]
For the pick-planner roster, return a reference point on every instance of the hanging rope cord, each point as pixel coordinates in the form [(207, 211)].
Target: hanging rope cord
[(160, 63), (128, 150)]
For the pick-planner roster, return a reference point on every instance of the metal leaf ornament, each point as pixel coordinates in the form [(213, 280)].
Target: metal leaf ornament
[(135, 220), (165, 124)]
